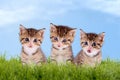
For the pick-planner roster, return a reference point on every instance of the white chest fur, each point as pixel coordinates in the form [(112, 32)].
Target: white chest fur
[(30, 51), (61, 59), (61, 56)]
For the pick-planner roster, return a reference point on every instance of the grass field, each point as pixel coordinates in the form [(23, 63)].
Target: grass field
[(13, 70)]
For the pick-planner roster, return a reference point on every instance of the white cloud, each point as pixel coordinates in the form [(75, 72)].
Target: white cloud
[(15, 11), (106, 6), (23, 10), (12, 16)]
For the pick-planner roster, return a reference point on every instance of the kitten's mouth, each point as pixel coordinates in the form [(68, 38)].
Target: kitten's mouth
[(89, 51), (59, 46), (30, 46)]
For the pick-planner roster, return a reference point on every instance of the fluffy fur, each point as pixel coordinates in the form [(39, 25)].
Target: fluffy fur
[(61, 38), (31, 40), (91, 48)]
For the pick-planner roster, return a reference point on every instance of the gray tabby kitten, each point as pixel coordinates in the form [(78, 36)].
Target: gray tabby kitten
[(61, 38), (31, 40), (91, 49)]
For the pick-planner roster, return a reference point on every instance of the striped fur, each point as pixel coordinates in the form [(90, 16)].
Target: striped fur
[(91, 49), (61, 38), (31, 40)]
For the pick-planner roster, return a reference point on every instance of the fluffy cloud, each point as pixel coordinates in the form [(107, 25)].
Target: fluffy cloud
[(15, 11), (12, 16), (106, 6)]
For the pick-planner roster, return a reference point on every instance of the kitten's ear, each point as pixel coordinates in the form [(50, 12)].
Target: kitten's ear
[(101, 36), (22, 29), (52, 27), (82, 33), (72, 32), (41, 32)]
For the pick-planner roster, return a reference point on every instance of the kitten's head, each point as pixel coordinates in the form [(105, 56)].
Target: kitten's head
[(61, 36), (91, 42), (30, 38)]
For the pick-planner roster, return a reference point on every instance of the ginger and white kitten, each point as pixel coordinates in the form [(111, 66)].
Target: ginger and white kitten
[(31, 40), (61, 38), (91, 49)]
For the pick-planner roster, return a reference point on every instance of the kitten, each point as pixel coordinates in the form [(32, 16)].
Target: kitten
[(31, 40), (91, 49), (61, 38)]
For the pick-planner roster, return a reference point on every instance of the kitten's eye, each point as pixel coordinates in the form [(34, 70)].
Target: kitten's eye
[(55, 38), (35, 40), (85, 43), (98, 44), (94, 44), (64, 40), (69, 40), (26, 39)]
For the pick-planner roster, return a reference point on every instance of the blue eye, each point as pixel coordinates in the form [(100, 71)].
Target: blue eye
[(55, 38), (35, 40), (27, 39), (64, 40), (85, 43)]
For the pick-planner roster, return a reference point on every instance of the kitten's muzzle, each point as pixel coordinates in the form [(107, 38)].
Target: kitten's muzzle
[(59, 44), (89, 51), (30, 45)]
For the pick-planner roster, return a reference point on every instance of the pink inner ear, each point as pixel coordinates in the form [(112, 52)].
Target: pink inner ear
[(72, 32), (101, 36), (22, 29), (82, 33), (41, 33), (53, 29), (20, 32)]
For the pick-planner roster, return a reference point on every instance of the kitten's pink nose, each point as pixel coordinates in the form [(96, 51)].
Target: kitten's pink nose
[(89, 49), (59, 45), (30, 45)]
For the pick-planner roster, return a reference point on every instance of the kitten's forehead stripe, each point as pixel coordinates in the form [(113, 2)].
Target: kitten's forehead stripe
[(31, 32), (91, 36), (62, 29)]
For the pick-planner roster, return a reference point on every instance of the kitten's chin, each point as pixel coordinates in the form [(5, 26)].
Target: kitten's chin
[(92, 53), (29, 50), (60, 48)]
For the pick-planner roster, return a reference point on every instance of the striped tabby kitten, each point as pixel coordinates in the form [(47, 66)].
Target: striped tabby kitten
[(61, 38), (91, 49), (31, 40)]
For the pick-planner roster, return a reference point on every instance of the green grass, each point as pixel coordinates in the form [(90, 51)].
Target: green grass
[(13, 70)]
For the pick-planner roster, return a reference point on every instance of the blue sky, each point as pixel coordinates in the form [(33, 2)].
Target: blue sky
[(90, 15)]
